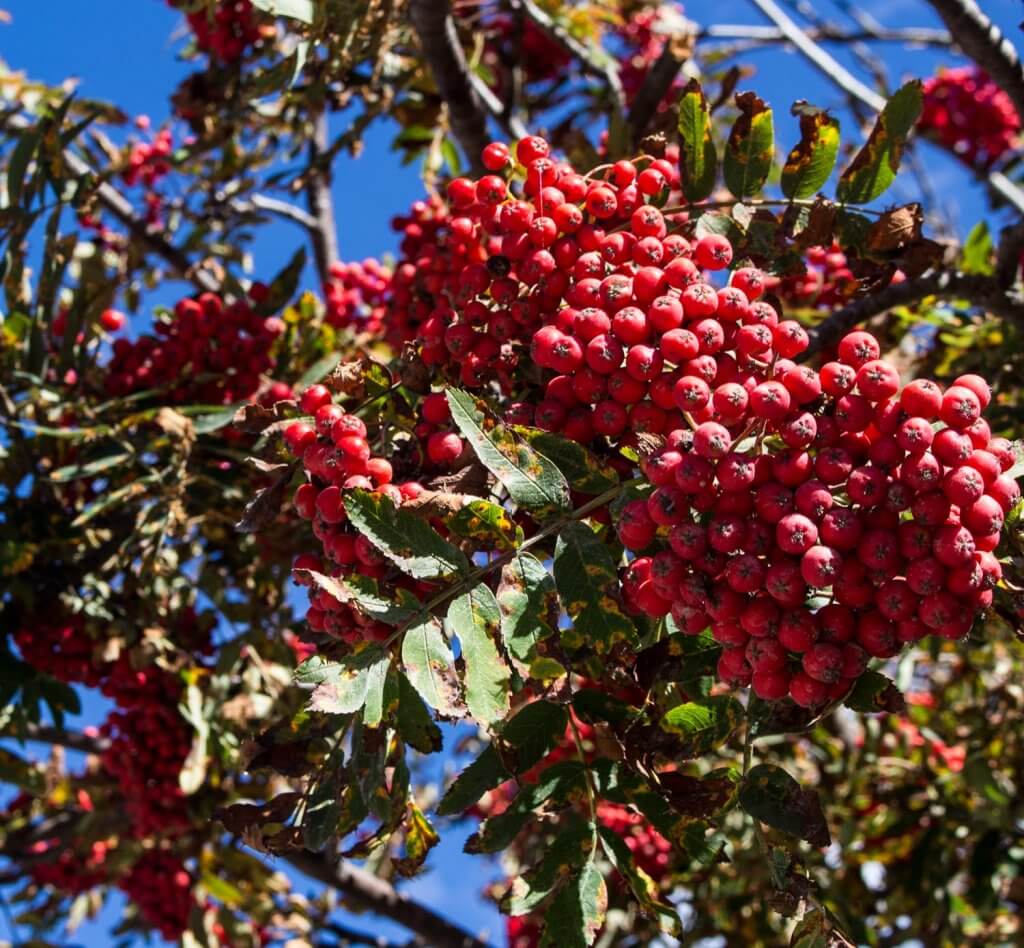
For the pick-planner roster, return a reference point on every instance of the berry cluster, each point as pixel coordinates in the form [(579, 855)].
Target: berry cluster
[(63, 650), (148, 164), (209, 351), (966, 112), (67, 870), (160, 884), (816, 519), (356, 295), (336, 456), (651, 851), (226, 31), (827, 281)]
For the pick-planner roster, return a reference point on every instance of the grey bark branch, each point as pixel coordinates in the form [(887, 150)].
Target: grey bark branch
[(72, 740), (378, 896), (983, 41), (978, 289), (324, 232), (442, 52), (919, 36)]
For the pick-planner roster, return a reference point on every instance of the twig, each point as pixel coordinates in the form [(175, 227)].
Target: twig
[(919, 36), (601, 65), (349, 936), (376, 895), (981, 290), (285, 209), (72, 740), (983, 41), (435, 28), (318, 198), (511, 124)]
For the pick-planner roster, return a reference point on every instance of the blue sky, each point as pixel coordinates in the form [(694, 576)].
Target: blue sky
[(122, 50)]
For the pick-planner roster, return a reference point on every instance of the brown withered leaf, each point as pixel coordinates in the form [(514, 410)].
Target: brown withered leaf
[(896, 228), (290, 760), (920, 256), (413, 371), (648, 444), (255, 419), (471, 479), (266, 467), (266, 505), (698, 797), (348, 378), (436, 503), (176, 425), (821, 224), (237, 817)]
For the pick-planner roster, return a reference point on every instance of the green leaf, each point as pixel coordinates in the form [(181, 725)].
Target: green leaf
[(323, 812), (771, 795), (364, 593), (533, 731), (874, 693), (977, 255), (73, 472), (419, 838), (474, 618), (376, 693), (588, 584), (531, 479), (319, 370), (485, 773), (584, 471), (874, 167), (529, 606), (643, 886), (342, 687), (577, 913), (698, 159), (410, 543), (703, 725), (414, 722), (302, 10), (486, 522), (811, 161), (563, 856), (751, 147), (430, 665), (810, 932), (17, 167), (283, 286)]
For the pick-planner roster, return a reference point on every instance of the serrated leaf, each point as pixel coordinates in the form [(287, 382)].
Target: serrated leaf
[(319, 370), (323, 811), (430, 665), (771, 795), (419, 838), (414, 723), (531, 479), (375, 706), (21, 156), (703, 725), (583, 469), (341, 687), (698, 158), (564, 855), (474, 618), (74, 472), (529, 607), (874, 167), (483, 774), (874, 693), (282, 288), (410, 543), (485, 522), (750, 149), (588, 584), (577, 913), (812, 159), (364, 593), (643, 886), (533, 731)]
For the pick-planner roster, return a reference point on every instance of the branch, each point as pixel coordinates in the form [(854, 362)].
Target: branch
[(1011, 247), (856, 89), (349, 936), (916, 36), (982, 290), (435, 28), (600, 65), (318, 197), (376, 895), (983, 41), (47, 734), (261, 202), (655, 87)]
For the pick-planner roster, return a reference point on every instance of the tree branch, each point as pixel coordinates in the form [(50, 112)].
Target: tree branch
[(918, 36), (285, 209), (859, 92), (376, 895), (1011, 247), (72, 740), (435, 28), (349, 936), (982, 290), (983, 41), (318, 198)]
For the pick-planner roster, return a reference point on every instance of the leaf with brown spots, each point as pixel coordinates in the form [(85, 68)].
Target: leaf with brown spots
[(896, 228), (751, 147), (771, 795), (812, 159), (261, 511)]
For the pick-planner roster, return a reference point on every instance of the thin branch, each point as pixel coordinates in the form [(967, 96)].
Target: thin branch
[(915, 36), (376, 895), (48, 734), (318, 198), (983, 41), (600, 65), (349, 936), (859, 92), (510, 123), (435, 28), (285, 209), (981, 290), (655, 87)]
